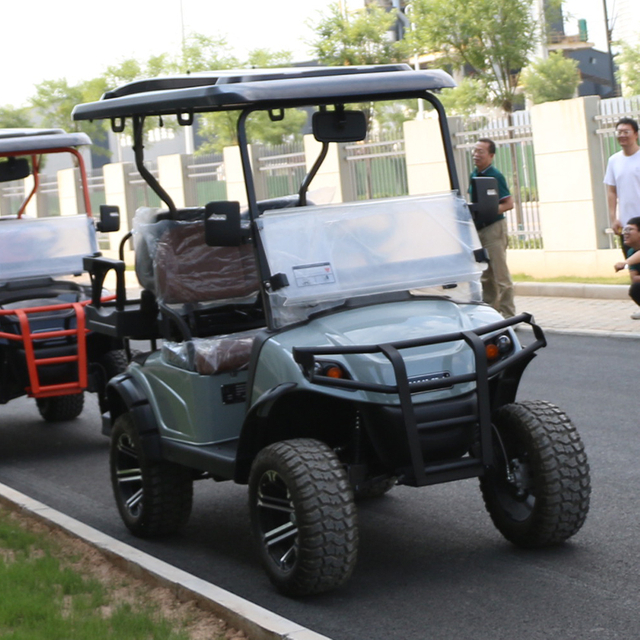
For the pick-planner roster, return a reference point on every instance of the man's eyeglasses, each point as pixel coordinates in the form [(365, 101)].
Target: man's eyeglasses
[(624, 132), (629, 230)]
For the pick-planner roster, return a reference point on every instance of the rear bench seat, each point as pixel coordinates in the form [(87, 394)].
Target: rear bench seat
[(173, 261)]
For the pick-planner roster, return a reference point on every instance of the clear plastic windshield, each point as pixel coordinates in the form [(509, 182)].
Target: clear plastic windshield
[(55, 246), (332, 253)]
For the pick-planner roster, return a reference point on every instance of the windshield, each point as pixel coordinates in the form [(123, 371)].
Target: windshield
[(360, 230), (328, 254)]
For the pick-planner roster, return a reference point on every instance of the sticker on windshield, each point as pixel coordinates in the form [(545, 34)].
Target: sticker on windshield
[(308, 275)]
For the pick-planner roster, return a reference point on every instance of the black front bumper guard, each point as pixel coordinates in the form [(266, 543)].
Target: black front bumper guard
[(465, 467)]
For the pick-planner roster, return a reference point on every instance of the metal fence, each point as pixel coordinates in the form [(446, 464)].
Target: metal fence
[(611, 110), (205, 179), (12, 195), (97, 197), (281, 168), (48, 198), (378, 166), (95, 181), (515, 160), (143, 195)]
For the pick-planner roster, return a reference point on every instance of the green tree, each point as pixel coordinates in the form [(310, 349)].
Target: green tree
[(205, 53), (628, 61), (15, 117), (465, 98), (219, 129), (490, 38), (264, 58), (359, 37), (554, 78), (54, 100)]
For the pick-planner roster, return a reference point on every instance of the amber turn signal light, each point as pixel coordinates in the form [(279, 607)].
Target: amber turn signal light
[(492, 351)]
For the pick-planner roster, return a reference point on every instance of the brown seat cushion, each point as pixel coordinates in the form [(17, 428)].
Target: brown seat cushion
[(212, 355), (188, 270)]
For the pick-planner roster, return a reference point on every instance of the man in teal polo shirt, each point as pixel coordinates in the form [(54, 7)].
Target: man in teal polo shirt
[(497, 287)]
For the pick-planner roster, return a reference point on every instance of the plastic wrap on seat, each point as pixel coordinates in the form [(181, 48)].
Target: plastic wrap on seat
[(173, 261), (209, 356), (188, 270)]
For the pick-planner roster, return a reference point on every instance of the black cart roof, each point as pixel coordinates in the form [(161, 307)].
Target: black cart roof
[(27, 141), (263, 88)]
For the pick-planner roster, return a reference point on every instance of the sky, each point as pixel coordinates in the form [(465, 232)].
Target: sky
[(593, 12), (78, 39)]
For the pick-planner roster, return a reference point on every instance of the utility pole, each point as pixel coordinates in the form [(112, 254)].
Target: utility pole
[(189, 144), (609, 30)]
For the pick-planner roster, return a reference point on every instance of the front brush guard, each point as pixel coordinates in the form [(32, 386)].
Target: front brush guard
[(450, 470)]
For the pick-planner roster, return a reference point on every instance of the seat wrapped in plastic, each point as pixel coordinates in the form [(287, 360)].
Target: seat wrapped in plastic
[(174, 262), (213, 355)]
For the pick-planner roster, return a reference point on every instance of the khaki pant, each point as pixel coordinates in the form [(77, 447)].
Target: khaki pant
[(497, 287)]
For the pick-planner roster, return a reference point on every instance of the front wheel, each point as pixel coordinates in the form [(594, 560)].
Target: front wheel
[(154, 497), (61, 408), (303, 516), (537, 492)]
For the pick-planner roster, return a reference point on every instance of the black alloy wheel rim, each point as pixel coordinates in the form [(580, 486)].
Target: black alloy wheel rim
[(277, 521)]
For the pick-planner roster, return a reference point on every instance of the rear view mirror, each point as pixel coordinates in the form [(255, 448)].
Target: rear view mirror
[(485, 201), (109, 219), (222, 226), (14, 169), (339, 126)]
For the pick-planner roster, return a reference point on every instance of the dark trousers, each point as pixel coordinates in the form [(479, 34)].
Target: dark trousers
[(634, 292)]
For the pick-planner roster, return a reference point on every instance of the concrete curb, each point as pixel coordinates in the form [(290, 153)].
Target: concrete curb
[(573, 290), (257, 622), (594, 333)]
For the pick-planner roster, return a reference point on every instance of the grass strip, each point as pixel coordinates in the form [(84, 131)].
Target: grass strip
[(53, 587), (620, 279)]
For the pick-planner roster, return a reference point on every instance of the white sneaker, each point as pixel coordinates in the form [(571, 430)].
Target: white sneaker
[(635, 316)]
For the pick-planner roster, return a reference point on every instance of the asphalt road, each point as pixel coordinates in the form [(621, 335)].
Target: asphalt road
[(431, 565)]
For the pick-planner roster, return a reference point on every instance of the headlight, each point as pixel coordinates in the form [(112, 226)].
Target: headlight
[(331, 370), (498, 347)]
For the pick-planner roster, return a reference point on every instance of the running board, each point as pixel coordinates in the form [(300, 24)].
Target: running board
[(217, 459), (450, 471)]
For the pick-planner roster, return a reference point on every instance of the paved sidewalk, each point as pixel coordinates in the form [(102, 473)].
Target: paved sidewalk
[(588, 316), (602, 310)]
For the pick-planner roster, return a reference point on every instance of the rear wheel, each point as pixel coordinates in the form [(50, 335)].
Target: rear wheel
[(154, 497), (537, 492), (61, 408), (303, 516), (111, 364)]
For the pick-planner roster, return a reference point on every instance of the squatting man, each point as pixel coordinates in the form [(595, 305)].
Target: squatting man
[(631, 235)]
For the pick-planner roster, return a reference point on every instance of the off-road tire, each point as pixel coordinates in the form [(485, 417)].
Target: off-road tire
[(546, 498), (113, 363), (154, 497), (303, 516), (375, 488), (61, 408)]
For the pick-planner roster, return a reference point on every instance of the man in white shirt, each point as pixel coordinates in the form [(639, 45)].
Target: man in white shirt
[(623, 176)]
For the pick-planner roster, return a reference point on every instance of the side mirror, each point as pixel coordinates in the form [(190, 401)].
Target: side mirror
[(339, 126), (222, 226), (485, 200), (109, 219), (14, 169)]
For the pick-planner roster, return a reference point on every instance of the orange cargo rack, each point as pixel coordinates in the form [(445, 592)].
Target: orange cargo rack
[(37, 390)]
